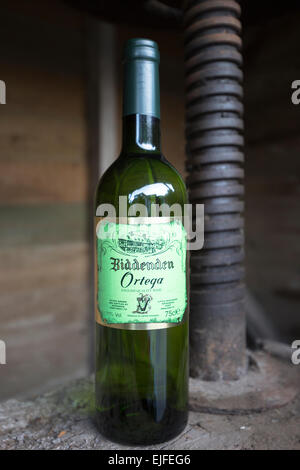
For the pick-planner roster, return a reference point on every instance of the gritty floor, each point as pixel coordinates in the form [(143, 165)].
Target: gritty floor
[(62, 420)]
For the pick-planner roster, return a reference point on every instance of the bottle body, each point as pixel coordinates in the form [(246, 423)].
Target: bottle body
[(141, 376), (141, 294), (141, 396)]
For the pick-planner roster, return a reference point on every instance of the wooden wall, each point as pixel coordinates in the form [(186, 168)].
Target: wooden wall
[(272, 62), (43, 183)]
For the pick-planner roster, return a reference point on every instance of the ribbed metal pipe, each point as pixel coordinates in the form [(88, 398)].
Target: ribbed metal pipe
[(214, 135)]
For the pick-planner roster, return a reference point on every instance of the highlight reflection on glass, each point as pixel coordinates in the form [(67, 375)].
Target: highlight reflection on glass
[(155, 189)]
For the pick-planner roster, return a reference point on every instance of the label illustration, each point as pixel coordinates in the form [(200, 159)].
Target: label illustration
[(141, 273)]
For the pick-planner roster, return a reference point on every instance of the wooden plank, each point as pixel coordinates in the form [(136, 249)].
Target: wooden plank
[(39, 182), (272, 231), (42, 224), (43, 298), (271, 65)]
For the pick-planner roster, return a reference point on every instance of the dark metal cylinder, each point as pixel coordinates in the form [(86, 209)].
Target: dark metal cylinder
[(214, 136)]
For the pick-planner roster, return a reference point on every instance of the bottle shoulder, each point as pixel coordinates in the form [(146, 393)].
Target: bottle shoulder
[(141, 179)]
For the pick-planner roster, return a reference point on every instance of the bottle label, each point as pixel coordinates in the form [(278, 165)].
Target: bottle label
[(140, 272)]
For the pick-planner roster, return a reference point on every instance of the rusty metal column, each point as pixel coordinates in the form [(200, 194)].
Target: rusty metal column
[(214, 127)]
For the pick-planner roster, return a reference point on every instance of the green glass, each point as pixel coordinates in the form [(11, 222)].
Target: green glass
[(141, 375)]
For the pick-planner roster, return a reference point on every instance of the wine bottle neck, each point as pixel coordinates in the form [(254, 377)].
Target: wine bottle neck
[(141, 135), (141, 105), (141, 82)]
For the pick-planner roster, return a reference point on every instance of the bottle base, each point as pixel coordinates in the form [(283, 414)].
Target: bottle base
[(140, 434)]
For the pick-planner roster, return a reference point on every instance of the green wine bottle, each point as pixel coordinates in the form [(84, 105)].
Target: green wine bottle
[(141, 274)]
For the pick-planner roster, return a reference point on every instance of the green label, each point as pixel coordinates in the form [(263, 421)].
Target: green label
[(141, 274)]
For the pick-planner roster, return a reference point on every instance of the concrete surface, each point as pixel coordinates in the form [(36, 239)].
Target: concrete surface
[(62, 419)]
